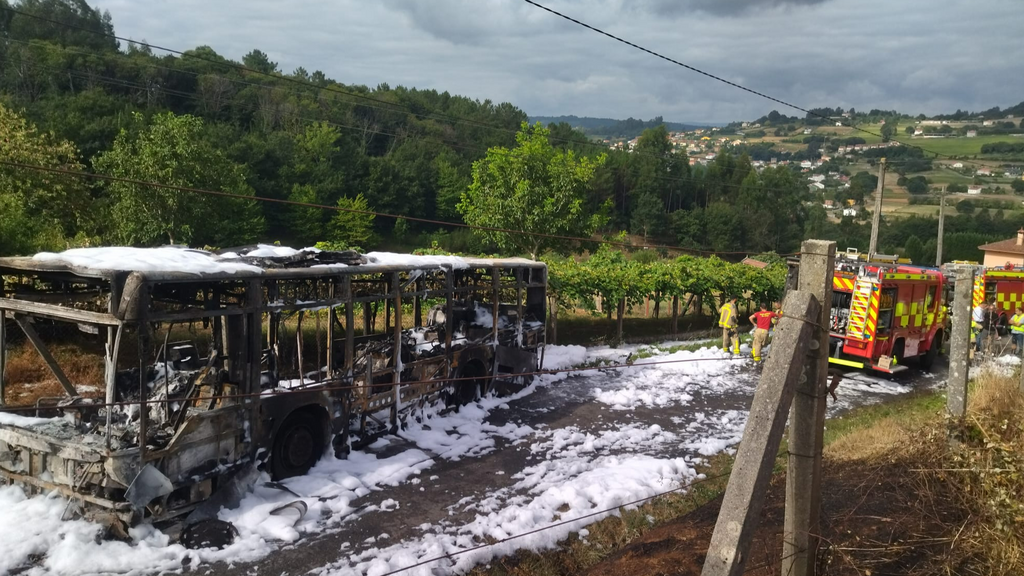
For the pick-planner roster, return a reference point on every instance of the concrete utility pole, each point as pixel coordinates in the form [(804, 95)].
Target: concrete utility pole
[(942, 220), (752, 471), (960, 344), (807, 420), (876, 218)]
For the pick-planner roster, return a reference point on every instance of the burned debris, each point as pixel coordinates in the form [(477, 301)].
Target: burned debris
[(257, 357)]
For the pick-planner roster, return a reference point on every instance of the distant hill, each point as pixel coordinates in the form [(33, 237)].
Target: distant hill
[(610, 127)]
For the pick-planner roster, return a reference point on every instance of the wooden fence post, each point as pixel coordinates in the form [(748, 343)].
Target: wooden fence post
[(755, 459), (807, 420), (960, 344)]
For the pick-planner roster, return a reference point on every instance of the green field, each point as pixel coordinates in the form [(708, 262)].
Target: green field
[(959, 146)]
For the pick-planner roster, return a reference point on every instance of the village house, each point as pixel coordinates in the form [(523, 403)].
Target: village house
[(815, 186), (984, 172), (974, 189), (817, 178), (1005, 252), (958, 165), (850, 212), (972, 133)]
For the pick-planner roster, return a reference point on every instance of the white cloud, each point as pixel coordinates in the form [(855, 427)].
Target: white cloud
[(917, 57)]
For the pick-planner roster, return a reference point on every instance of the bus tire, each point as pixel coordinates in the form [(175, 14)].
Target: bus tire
[(298, 445)]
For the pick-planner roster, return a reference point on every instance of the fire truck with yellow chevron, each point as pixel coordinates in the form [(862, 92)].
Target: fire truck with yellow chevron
[(1004, 286), (885, 312)]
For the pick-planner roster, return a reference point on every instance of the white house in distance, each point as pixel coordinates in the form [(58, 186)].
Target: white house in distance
[(974, 189), (999, 254), (816, 186), (984, 172), (849, 211), (972, 133), (958, 165), (817, 178)]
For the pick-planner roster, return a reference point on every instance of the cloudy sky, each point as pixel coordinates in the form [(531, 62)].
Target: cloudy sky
[(916, 56)]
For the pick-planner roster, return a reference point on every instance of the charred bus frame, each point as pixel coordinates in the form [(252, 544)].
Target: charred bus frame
[(177, 422)]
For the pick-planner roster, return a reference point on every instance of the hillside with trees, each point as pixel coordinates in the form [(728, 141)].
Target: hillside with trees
[(73, 98)]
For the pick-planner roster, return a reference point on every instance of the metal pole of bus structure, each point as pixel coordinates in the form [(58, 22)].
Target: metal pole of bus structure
[(942, 221), (876, 217), (960, 344), (807, 420)]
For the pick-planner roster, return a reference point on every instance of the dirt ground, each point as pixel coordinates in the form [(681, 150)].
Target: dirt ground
[(876, 520)]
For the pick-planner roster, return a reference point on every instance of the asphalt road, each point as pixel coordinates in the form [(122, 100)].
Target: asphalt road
[(446, 500)]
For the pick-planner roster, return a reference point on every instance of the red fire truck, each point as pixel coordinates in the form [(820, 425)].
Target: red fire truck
[(1004, 286), (883, 314)]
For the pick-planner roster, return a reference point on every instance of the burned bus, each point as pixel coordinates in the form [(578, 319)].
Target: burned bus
[(203, 364)]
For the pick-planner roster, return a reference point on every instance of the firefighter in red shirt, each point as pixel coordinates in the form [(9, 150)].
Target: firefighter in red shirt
[(762, 322)]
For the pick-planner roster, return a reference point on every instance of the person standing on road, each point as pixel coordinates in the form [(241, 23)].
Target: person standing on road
[(762, 322), (728, 319), (1017, 330), (977, 319), (987, 329)]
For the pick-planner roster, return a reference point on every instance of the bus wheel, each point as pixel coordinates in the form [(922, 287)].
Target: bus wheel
[(474, 383), (298, 445)]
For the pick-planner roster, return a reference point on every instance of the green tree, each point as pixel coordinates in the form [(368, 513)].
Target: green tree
[(532, 188), (38, 210), (965, 207), (452, 181), (172, 150), (914, 249), (889, 128), (648, 217), (317, 180), (1017, 185), (352, 226), (917, 185)]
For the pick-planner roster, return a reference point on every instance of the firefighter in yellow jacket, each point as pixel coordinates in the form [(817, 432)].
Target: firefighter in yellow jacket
[(728, 319)]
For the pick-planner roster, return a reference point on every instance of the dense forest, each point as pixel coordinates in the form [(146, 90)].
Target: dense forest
[(611, 128), (74, 98)]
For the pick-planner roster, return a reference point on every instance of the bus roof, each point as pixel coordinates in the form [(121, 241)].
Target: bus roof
[(179, 263)]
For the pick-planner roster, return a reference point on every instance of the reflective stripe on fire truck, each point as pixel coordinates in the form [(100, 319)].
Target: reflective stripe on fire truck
[(910, 317), (979, 290), (842, 362), (841, 283), (1012, 297)]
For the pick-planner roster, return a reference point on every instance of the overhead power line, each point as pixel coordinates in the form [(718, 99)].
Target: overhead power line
[(719, 78), (180, 94), (334, 90), (104, 177)]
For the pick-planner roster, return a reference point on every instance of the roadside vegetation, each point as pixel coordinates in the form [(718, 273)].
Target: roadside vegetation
[(253, 130)]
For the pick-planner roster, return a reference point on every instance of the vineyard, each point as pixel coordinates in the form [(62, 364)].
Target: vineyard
[(609, 281)]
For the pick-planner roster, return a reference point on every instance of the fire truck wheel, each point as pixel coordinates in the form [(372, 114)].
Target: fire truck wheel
[(298, 445), (897, 351), (928, 360)]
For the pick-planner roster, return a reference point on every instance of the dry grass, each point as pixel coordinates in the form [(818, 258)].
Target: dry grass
[(887, 438), (28, 378)]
